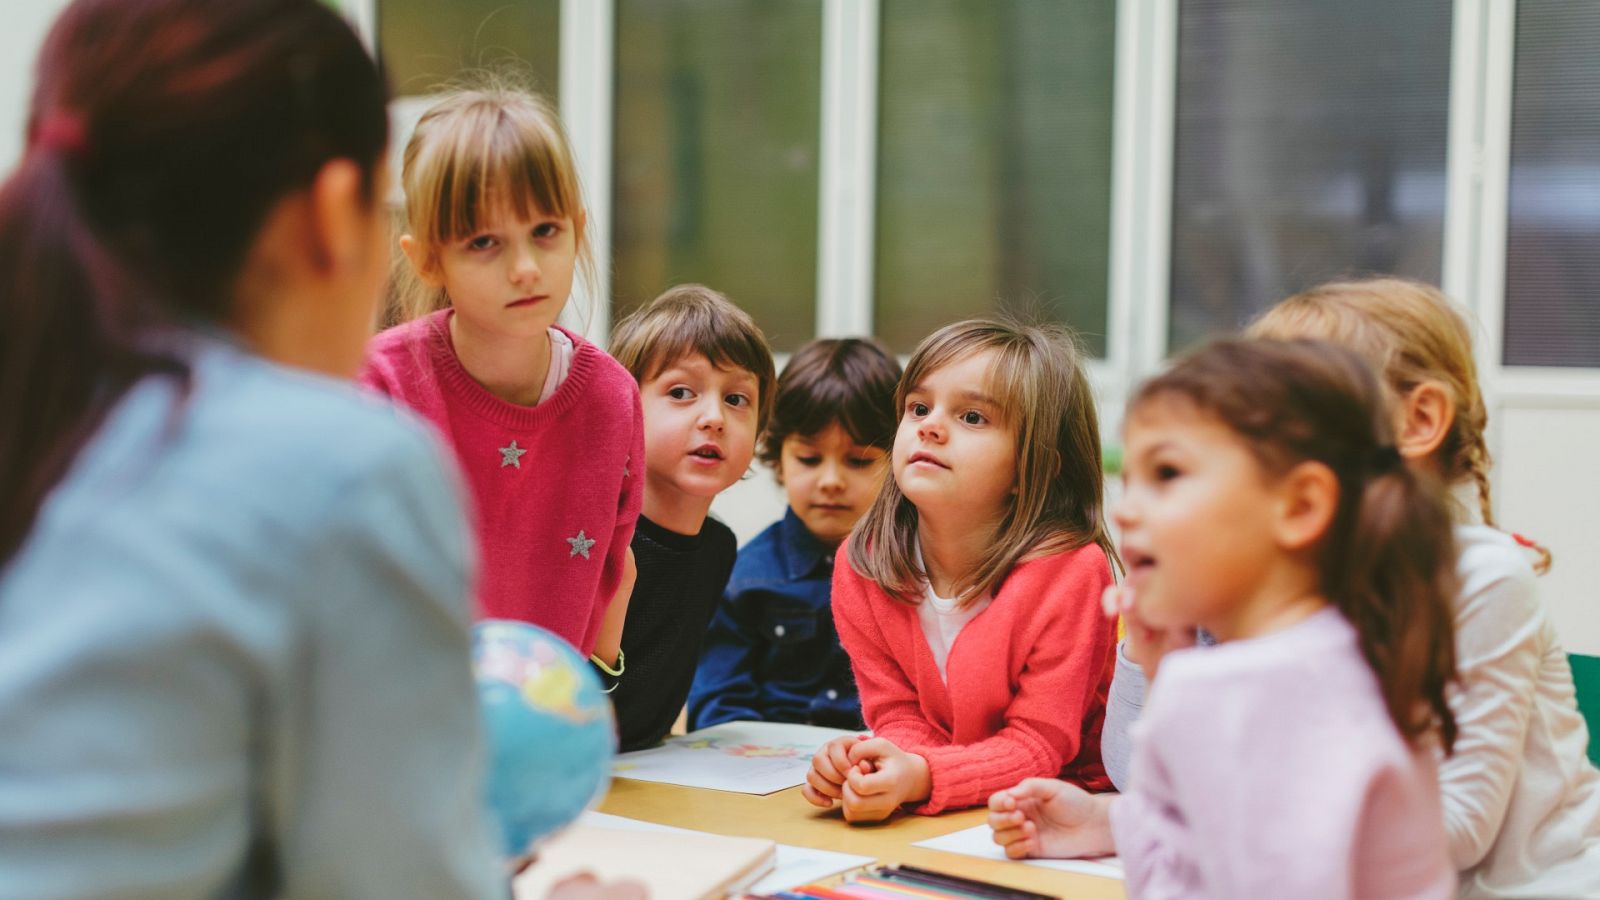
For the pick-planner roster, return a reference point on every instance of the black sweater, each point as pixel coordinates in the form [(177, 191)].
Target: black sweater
[(681, 578)]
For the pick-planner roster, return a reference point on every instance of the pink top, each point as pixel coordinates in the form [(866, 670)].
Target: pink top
[(556, 487), (1027, 678), (1270, 768)]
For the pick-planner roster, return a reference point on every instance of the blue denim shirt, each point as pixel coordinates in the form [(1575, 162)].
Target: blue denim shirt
[(772, 653)]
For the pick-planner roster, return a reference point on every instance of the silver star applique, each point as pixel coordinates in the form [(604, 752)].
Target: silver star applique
[(511, 456), (581, 544)]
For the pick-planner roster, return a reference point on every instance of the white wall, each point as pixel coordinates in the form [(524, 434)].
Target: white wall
[(1547, 486), (22, 27)]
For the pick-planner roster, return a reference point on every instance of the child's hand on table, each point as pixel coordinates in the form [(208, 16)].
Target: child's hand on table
[(829, 768), (1043, 817), (882, 778)]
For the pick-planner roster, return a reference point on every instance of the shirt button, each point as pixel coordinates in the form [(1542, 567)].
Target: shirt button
[(833, 695), (777, 631)]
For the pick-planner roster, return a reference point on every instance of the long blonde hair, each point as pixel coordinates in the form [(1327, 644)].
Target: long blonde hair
[(494, 143), (1410, 333), (1039, 380)]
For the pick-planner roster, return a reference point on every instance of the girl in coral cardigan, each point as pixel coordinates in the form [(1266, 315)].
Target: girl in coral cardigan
[(970, 607)]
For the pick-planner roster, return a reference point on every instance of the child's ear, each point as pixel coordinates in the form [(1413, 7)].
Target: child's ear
[(1308, 498), (422, 261), (1426, 414)]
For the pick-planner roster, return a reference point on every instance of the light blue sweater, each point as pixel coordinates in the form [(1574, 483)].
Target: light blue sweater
[(234, 656)]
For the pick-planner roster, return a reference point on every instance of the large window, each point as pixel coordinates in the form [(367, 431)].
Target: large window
[(715, 171), (1552, 313), (1310, 144), (427, 43), (994, 163)]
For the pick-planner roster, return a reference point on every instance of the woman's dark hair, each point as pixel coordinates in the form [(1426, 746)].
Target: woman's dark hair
[(846, 380), (1388, 559), (161, 133)]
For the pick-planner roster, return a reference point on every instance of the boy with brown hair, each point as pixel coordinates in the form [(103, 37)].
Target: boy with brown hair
[(706, 380)]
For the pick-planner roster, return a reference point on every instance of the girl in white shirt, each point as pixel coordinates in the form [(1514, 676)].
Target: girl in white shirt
[(1521, 799)]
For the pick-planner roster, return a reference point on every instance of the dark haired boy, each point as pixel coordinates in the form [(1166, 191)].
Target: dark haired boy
[(772, 653)]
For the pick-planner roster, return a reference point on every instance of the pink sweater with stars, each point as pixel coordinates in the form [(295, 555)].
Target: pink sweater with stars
[(556, 488), (1027, 678)]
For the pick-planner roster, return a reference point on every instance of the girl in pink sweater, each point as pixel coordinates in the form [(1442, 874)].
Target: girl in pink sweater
[(970, 605), (1266, 502), (546, 427)]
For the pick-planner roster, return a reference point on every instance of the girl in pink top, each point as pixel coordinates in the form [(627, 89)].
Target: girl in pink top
[(970, 604), (1266, 502), (546, 427)]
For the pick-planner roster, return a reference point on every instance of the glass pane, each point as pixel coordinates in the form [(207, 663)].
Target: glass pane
[(1310, 145), (994, 163), (718, 110), (427, 42), (1552, 267)]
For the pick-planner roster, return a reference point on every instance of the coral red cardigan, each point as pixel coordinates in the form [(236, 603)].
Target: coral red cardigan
[(1028, 678)]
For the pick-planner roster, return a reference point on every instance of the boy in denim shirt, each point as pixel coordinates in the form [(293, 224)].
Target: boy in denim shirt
[(772, 653)]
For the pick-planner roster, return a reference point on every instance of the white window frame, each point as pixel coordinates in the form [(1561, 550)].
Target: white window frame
[(588, 109), (1140, 273), (847, 168), (1144, 116), (1477, 215)]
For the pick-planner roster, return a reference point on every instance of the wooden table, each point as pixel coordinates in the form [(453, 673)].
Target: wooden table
[(787, 818)]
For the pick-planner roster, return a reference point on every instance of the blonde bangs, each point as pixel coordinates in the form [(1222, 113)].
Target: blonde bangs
[(488, 153), (475, 154), (957, 342)]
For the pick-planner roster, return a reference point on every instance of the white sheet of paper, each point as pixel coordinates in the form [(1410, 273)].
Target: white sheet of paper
[(744, 757), (978, 842), (795, 866)]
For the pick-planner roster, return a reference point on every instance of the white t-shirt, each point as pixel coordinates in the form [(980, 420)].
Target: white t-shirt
[(561, 353), (942, 621)]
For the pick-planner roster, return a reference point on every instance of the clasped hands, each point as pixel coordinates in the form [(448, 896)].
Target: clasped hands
[(869, 776)]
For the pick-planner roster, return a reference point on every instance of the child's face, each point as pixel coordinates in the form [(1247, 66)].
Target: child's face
[(699, 426), (513, 277), (830, 480), (1196, 516), (954, 452)]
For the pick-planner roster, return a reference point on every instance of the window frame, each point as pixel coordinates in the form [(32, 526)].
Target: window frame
[(1143, 129)]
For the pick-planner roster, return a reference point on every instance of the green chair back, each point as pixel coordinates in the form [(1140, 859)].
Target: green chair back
[(1586, 678)]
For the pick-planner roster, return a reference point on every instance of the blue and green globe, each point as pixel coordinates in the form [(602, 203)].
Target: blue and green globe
[(550, 727)]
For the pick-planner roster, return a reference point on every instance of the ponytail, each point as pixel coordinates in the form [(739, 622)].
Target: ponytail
[(1387, 560), (60, 365), (1393, 579)]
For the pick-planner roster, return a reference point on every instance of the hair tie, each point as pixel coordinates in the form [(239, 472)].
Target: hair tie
[(1385, 458), (62, 133), (1528, 542)]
